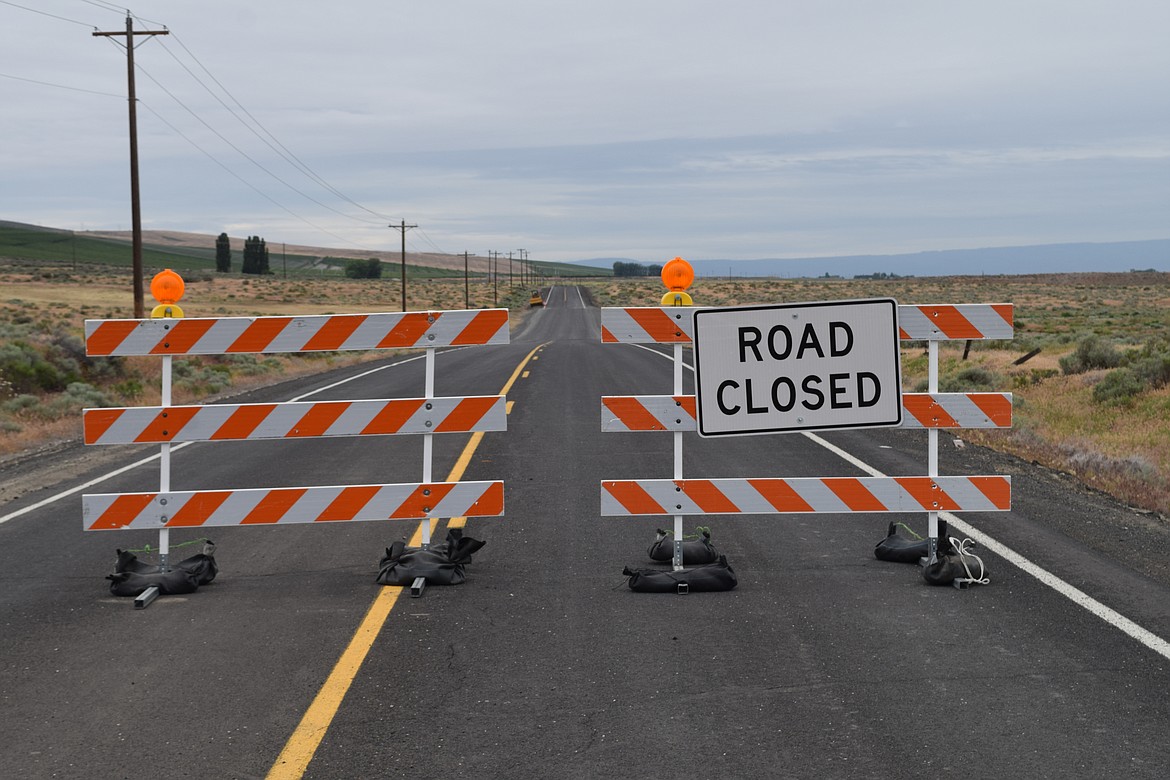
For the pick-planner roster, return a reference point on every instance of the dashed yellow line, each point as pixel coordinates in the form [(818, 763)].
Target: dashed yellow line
[(302, 745)]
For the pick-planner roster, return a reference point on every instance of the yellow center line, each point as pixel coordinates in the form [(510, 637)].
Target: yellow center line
[(302, 745)]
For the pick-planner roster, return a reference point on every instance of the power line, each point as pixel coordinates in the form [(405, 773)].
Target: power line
[(240, 151), (135, 207), (109, 7), (46, 13), (61, 86), (268, 138), (283, 151), (245, 182)]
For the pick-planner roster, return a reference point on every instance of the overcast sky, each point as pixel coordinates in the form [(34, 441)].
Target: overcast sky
[(606, 128)]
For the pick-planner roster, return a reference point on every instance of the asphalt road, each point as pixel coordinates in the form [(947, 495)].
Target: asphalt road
[(824, 662)]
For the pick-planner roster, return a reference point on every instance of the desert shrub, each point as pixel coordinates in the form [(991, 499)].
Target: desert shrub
[(20, 403), (1144, 369), (130, 389), (1118, 387), (967, 380), (1091, 352), (26, 369), (1153, 370), (1089, 460), (1151, 363)]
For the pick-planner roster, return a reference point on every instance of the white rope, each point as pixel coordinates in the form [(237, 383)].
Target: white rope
[(963, 550)]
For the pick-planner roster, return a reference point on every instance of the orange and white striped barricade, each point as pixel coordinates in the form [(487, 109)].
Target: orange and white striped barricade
[(931, 410), (311, 333), (919, 410), (285, 506), (167, 424), (775, 495), (294, 420)]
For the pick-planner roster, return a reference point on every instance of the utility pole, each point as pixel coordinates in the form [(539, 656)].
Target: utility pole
[(510, 282), (403, 227), (466, 289), (135, 203), (494, 273)]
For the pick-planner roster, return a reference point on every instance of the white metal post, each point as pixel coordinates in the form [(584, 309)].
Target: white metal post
[(164, 480), (428, 439), (932, 448), (678, 459)]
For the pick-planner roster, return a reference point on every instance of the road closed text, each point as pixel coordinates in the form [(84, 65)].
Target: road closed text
[(789, 368)]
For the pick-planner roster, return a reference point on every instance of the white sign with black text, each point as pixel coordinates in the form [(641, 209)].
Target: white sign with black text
[(797, 367)]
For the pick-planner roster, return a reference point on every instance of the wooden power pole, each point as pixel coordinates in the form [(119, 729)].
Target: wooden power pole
[(135, 202), (403, 227)]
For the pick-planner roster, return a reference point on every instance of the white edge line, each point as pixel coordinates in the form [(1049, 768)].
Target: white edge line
[(98, 480), (1072, 593)]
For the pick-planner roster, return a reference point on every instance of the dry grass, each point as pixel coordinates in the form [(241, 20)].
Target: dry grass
[(1124, 450), (52, 300)]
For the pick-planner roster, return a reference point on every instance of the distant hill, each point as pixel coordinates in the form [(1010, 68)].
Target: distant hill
[(189, 251), (1038, 259)]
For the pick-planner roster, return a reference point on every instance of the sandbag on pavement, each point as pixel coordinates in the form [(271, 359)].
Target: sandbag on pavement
[(695, 551), (440, 564), (712, 577), (132, 576)]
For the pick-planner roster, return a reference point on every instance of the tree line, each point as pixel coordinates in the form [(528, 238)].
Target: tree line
[(255, 255), (621, 268)]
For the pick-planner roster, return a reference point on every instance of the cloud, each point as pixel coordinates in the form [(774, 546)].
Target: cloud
[(605, 128)]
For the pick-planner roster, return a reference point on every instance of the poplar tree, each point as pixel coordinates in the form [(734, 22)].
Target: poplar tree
[(223, 254)]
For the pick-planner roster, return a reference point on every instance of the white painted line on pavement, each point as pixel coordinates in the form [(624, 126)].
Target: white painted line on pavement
[(1074, 594), (110, 475)]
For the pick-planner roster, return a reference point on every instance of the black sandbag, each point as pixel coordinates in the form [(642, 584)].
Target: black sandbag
[(902, 550), (695, 551), (169, 583), (711, 577), (132, 576), (201, 566), (440, 564), (128, 561), (957, 563)]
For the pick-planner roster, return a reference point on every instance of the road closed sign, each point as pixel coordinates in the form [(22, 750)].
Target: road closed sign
[(797, 367)]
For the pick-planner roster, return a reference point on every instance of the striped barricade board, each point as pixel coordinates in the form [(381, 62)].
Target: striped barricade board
[(921, 410), (325, 332), (169, 424), (238, 422), (282, 506), (805, 494), (675, 324)]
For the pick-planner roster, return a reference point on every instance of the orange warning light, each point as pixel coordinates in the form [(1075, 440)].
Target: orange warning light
[(677, 275), (167, 286)]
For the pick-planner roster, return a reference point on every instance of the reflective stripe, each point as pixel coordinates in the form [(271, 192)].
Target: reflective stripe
[(673, 324), (226, 422), (280, 506), (921, 410), (805, 494), (230, 335)]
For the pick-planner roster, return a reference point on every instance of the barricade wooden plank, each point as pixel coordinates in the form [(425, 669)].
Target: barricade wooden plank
[(236, 422), (674, 324), (921, 410), (282, 506), (648, 413), (326, 332), (805, 494), (958, 321)]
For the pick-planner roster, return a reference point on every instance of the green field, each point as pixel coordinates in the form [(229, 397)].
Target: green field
[(65, 248)]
